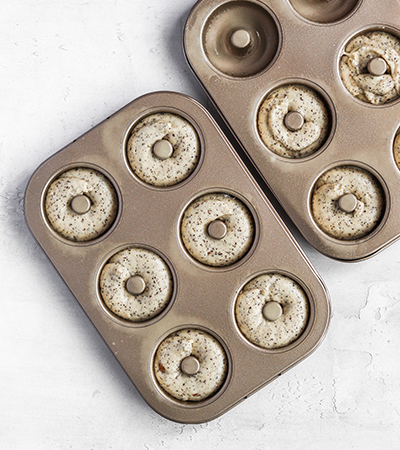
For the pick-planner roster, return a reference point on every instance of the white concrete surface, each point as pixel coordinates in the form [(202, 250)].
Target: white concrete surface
[(65, 66)]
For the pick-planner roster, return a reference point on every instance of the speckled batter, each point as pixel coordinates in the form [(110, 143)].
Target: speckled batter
[(249, 306), (396, 150), (354, 72), (271, 121), (239, 223), (155, 273), (370, 202), (186, 149), (208, 351), (81, 227)]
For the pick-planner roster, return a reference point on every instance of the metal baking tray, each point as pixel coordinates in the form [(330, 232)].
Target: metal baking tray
[(203, 296), (301, 43)]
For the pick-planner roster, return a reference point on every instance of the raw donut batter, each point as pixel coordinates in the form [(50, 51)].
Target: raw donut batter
[(272, 311), (362, 217), (204, 351), (276, 115), (81, 204), (397, 150), (365, 83), (163, 149), (217, 229), (119, 284)]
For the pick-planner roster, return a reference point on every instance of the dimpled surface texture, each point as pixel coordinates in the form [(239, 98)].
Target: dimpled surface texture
[(354, 72), (186, 149), (369, 209), (249, 311), (271, 121), (156, 275), (81, 227), (397, 150), (209, 353), (239, 223)]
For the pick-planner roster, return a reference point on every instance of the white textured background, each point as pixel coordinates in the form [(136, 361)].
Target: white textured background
[(65, 66)]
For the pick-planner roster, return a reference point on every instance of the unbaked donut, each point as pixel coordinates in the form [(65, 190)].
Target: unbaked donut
[(368, 196), (397, 150), (170, 168), (88, 184), (284, 293), (150, 270), (275, 134), (358, 80), (203, 348), (227, 211)]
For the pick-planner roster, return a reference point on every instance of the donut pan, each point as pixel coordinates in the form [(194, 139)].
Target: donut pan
[(300, 43), (203, 297)]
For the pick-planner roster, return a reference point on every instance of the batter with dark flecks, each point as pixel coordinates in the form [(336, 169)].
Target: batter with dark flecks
[(214, 208), (212, 363), (172, 167), (291, 300), (272, 121), (397, 150), (158, 284), (369, 202), (354, 67), (102, 204)]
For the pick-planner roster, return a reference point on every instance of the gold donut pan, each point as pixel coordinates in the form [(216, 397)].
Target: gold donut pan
[(308, 39), (203, 297)]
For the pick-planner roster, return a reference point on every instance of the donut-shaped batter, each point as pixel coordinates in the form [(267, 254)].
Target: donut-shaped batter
[(89, 185), (397, 150), (277, 291), (355, 68), (136, 264), (200, 383), (227, 212), (180, 154), (368, 206), (308, 136)]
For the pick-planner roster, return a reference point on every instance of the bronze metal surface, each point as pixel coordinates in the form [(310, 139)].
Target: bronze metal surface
[(203, 296), (312, 39)]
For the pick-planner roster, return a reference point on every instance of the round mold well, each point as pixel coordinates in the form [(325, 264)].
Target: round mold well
[(282, 140), (118, 318), (396, 149), (154, 121), (325, 11), (368, 83), (116, 194), (198, 260), (190, 403), (310, 317), (327, 178), (241, 38)]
